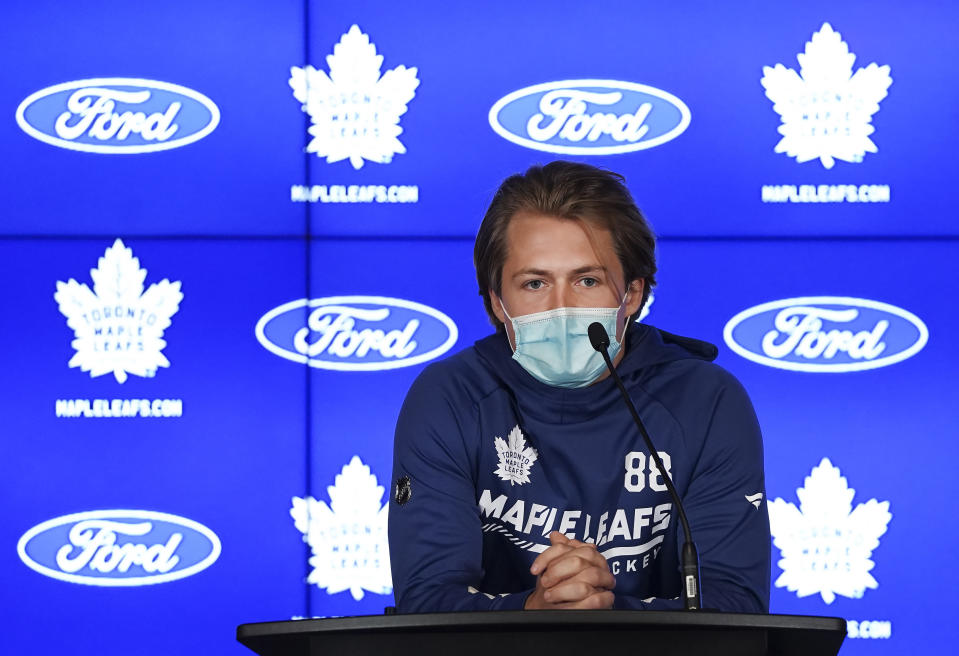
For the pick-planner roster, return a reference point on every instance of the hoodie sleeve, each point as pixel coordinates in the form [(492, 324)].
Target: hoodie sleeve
[(726, 507), (435, 533)]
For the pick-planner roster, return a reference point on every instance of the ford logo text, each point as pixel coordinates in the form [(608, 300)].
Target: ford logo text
[(834, 334), (117, 115), (119, 548), (356, 333), (589, 117)]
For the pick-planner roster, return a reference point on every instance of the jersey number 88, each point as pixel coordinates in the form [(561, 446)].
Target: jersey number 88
[(642, 471)]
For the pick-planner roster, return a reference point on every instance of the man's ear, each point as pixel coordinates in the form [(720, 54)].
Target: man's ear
[(497, 306), (634, 296)]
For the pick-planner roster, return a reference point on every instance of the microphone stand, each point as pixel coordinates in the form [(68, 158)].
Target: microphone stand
[(690, 565)]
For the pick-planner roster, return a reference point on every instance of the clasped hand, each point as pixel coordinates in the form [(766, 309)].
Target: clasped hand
[(571, 574)]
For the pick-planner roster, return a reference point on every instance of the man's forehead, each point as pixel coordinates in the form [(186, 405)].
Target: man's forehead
[(540, 241)]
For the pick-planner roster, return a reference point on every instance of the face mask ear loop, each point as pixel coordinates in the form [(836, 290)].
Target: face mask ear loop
[(508, 340), (626, 322)]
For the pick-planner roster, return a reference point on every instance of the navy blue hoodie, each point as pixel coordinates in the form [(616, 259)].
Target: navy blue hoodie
[(488, 461)]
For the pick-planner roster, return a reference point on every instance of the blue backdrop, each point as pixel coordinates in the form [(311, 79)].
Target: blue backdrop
[(234, 235)]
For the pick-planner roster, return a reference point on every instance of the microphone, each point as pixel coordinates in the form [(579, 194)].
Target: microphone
[(692, 593)]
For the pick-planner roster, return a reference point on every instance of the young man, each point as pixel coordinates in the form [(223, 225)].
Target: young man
[(520, 479)]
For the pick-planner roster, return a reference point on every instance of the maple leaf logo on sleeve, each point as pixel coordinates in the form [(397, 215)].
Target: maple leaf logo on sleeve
[(355, 112), (118, 327), (826, 110), (827, 546), (348, 536), (515, 458)]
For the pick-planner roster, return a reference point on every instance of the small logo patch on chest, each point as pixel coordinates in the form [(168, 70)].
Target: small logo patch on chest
[(515, 458)]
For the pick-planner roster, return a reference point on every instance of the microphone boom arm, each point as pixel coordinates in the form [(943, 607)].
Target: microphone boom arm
[(691, 590)]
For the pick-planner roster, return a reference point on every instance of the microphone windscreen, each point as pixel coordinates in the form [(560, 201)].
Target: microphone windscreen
[(598, 337)]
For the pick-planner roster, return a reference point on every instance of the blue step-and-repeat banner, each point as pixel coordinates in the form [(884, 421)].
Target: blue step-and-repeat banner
[(233, 234)]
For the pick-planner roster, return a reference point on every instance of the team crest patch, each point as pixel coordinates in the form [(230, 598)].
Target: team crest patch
[(118, 324), (515, 458), (827, 544), (355, 109)]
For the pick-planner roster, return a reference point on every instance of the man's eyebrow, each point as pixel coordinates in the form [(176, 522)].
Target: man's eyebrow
[(531, 272), (589, 268)]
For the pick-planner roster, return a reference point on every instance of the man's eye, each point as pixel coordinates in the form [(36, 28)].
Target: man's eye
[(590, 282), (534, 284)]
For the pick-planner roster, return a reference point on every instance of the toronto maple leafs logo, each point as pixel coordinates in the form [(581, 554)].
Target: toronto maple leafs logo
[(826, 110), (348, 536), (826, 545), (355, 112), (118, 327), (515, 458)]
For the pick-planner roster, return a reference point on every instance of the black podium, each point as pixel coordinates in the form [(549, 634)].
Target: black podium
[(529, 633)]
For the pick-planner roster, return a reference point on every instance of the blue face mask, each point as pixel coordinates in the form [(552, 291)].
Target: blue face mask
[(553, 346)]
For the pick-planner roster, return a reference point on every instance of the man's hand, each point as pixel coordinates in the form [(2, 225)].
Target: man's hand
[(570, 574)]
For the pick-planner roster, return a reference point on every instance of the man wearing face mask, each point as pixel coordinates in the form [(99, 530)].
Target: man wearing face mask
[(520, 479)]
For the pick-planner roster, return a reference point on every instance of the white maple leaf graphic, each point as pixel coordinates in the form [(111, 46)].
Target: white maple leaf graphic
[(826, 545), (348, 537), (826, 110), (515, 458), (355, 112), (118, 327)]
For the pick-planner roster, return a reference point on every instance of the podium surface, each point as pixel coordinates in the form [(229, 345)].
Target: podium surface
[(528, 633)]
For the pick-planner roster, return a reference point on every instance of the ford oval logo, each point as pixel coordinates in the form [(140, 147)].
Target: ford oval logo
[(356, 333), (119, 547), (832, 334), (589, 117), (117, 115)]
